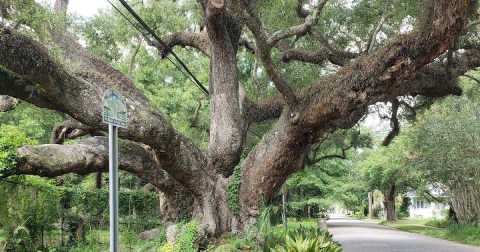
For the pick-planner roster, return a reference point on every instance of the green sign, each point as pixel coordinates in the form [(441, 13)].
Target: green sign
[(114, 109)]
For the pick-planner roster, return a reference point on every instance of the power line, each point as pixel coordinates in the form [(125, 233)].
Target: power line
[(151, 32)]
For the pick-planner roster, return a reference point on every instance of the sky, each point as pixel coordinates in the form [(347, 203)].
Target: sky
[(84, 8)]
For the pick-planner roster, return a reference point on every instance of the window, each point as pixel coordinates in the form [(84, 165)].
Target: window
[(420, 204)]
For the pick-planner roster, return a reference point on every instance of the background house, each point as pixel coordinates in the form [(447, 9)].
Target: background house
[(421, 207)]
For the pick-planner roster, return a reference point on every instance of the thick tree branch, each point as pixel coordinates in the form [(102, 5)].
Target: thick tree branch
[(91, 155), (197, 40), (374, 77), (335, 57), (46, 80), (227, 126), (72, 129), (265, 109), (378, 76), (24, 90)]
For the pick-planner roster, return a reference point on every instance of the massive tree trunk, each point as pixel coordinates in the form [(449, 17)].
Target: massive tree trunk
[(195, 181)]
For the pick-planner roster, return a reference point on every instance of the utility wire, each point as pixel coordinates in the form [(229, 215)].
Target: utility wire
[(151, 32)]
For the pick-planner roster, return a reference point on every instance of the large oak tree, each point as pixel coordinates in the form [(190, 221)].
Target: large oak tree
[(424, 61)]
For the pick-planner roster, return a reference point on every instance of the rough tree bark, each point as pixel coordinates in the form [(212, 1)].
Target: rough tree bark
[(189, 176)]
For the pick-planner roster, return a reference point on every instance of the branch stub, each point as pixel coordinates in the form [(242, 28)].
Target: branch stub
[(217, 3)]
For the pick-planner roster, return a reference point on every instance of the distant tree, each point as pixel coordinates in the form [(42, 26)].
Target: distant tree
[(384, 169), (445, 150)]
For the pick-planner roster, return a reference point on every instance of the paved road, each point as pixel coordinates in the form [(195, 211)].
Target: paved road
[(360, 236)]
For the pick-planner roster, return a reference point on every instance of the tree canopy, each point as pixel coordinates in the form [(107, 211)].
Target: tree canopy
[(281, 76)]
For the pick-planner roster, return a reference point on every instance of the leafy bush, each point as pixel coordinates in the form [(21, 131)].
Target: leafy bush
[(359, 215), (233, 188), (465, 233), (305, 239), (22, 240), (187, 238), (233, 243), (11, 138), (438, 223)]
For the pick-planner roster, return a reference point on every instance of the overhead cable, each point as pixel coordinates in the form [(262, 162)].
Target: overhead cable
[(160, 41)]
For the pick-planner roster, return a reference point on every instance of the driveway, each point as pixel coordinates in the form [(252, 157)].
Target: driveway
[(360, 236)]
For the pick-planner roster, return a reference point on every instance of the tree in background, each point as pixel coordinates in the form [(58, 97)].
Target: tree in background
[(445, 145), (316, 67)]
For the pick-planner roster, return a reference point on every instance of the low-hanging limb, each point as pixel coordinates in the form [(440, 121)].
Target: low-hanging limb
[(72, 129), (43, 82), (338, 58), (91, 155)]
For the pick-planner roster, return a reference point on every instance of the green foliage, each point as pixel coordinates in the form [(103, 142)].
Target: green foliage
[(359, 215), (468, 233), (234, 243), (233, 188), (188, 235), (36, 123), (28, 208), (310, 239), (11, 138), (438, 223), (417, 226), (22, 241)]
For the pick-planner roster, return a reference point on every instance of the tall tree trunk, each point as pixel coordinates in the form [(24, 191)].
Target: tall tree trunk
[(370, 204), (390, 203)]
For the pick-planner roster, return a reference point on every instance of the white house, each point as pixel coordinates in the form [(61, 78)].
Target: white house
[(420, 207)]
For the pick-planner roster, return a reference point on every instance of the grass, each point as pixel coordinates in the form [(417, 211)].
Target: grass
[(462, 233), (417, 225)]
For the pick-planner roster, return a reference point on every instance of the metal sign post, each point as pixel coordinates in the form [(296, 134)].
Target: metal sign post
[(113, 185), (115, 115)]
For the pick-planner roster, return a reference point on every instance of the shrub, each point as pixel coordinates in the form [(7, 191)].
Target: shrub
[(168, 247), (468, 233), (308, 239), (359, 215), (438, 223), (233, 188), (11, 138), (187, 238)]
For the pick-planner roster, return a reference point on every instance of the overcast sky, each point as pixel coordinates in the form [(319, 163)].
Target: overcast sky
[(85, 8)]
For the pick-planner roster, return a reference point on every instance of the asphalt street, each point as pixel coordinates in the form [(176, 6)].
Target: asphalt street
[(360, 236)]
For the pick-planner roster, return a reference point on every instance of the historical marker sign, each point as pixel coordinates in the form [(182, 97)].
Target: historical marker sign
[(114, 109)]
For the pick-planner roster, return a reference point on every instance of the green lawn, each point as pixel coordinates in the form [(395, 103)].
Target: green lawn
[(417, 225), (466, 233)]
